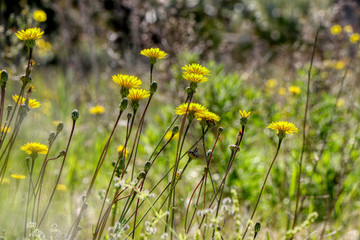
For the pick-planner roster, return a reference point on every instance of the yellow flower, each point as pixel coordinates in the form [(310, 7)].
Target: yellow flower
[(32, 102), (209, 116), (295, 90), (7, 129), (153, 54), (169, 134), (196, 68), (120, 149), (339, 65), (336, 29), (271, 83), (29, 34), (193, 77), (39, 16), (354, 38), (244, 114), (283, 128), (97, 110), (61, 187), (340, 102), (348, 28), (195, 110), (126, 81), (18, 176), (138, 94), (282, 91), (34, 148)]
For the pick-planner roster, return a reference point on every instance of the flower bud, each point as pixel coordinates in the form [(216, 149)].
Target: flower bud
[(208, 153), (62, 153), (9, 108), (220, 130), (124, 104), (257, 227), (59, 127), (153, 87), (75, 115), (147, 166), (141, 175), (193, 154), (129, 115), (175, 130), (4, 78), (51, 136), (234, 147)]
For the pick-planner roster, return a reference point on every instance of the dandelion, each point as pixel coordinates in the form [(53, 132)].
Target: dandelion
[(135, 95), (195, 110), (354, 38), (30, 35), (153, 54), (244, 114), (295, 90), (120, 150), (271, 83), (209, 117), (32, 102), (348, 28), (5, 129), (40, 16), (61, 187), (195, 78), (126, 82), (282, 128), (97, 110), (339, 65), (196, 69), (34, 148), (18, 176), (336, 29), (169, 134)]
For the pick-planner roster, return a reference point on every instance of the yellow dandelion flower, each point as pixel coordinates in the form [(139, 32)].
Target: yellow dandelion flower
[(195, 110), (137, 94), (196, 68), (193, 77), (40, 16), (120, 149), (283, 128), (97, 110), (271, 83), (18, 176), (61, 187), (282, 91), (34, 148), (169, 134), (153, 54), (126, 81), (244, 114), (6, 129), (32, 102), (336, 29), (354, 38), (29, 34), (348, 28), (339, 65), (295, 90), (209, 116)]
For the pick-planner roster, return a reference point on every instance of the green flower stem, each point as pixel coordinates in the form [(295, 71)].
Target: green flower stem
[(58, 178), (263, 186), (2, 105)]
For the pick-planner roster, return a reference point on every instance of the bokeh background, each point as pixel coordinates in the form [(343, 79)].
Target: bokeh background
[(258, 52)]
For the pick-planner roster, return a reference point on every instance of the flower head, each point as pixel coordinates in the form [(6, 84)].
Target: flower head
[(32, 102), (196, 68), (34, 148), (336, 29), (209, 117), (295, 90), (194, 77), (169, 134), (271, 83), (18, 176), (153, 54), (138, 94), (348, 28), (354, 38), (39, 16), (126, 82), (97, 110), (283, 128), (243, 117), (61, 187), (120, 149), (195, 110), (30, 35)]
